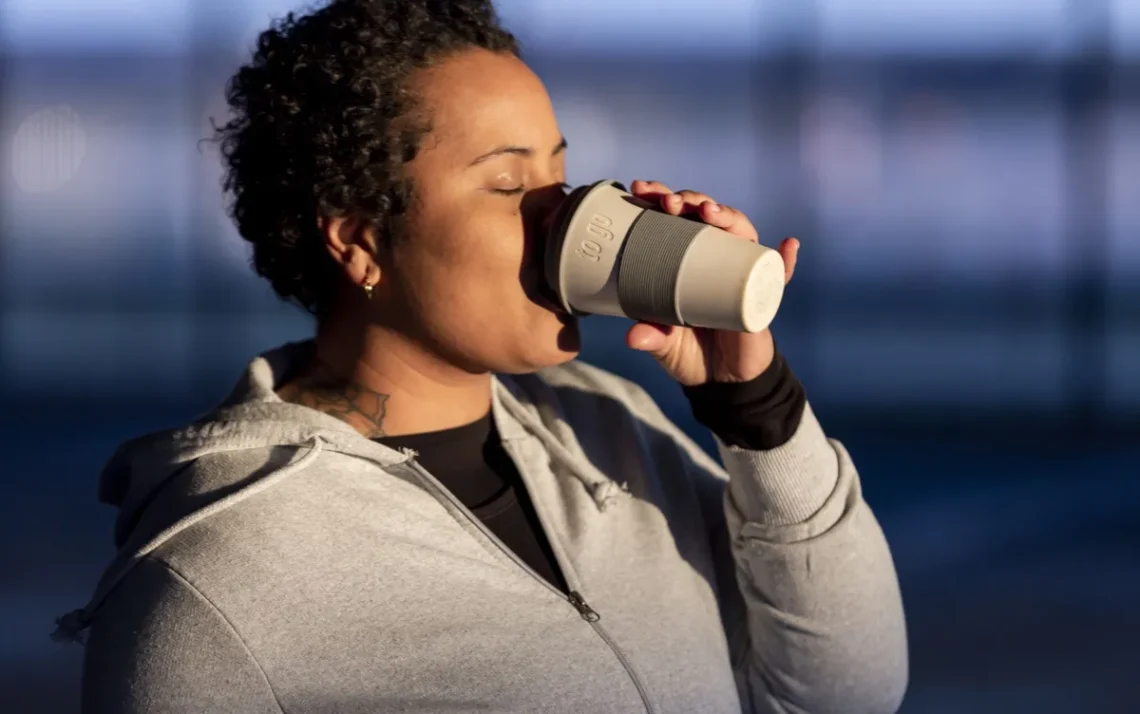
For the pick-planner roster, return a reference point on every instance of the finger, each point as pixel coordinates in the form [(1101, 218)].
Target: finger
[(789, 251), (650, 337), (693, 198), (683, 202), (652, 191), (728, 219), (689, 202), (674, 202), (642, 186)]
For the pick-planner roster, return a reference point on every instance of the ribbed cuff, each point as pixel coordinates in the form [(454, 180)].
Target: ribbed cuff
[(760, 414), (785, 485)]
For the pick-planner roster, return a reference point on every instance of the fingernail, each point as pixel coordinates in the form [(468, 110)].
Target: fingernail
[(714, 206), (675, 198)]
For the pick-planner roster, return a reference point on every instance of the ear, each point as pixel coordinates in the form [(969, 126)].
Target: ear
[(352, 244)]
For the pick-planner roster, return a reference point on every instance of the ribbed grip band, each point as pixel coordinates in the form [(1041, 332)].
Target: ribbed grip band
[(650, 265)]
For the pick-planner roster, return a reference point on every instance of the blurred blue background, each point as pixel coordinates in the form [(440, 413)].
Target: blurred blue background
[(963, 175)]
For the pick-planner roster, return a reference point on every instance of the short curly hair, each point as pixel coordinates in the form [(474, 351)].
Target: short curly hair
[(324, 121)]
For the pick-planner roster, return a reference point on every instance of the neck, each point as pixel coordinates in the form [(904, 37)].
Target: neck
[(384, 384)]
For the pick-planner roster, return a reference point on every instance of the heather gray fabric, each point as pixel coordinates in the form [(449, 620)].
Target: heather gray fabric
[(273, 560)]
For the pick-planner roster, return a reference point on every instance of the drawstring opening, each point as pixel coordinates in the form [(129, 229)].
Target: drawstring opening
[(604, 491)]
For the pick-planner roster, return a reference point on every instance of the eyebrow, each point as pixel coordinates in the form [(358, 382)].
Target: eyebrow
[(524, 151)]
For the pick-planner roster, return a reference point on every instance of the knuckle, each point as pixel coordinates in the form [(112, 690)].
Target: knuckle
[(696, 197)]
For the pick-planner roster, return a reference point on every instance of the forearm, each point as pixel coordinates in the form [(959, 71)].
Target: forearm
[(820, 594), (754, 422)]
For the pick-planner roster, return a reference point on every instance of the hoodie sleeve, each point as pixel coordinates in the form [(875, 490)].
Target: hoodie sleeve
[(807, 587), (819, 595), (158, 646)]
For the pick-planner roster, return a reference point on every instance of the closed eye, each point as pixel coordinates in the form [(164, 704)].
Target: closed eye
[(563, 187)]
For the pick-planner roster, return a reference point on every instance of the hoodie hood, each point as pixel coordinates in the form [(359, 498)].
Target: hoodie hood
[(140, 477), (228, 450), (252, 417)]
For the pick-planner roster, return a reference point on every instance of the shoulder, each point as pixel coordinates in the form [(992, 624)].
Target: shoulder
[(151, 600), (150, 611), (157, 643)]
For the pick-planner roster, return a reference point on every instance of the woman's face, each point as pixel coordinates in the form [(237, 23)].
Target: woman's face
[(486, 180)]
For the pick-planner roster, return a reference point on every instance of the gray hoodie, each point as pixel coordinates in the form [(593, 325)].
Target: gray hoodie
[(271, 559)]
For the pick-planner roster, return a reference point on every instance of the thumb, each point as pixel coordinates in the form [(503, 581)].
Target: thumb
[(650, 337)]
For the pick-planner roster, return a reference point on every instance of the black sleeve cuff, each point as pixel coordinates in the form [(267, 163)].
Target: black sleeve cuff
[(761, 414)]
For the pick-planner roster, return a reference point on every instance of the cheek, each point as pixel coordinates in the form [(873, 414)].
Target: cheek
[(470, 268)]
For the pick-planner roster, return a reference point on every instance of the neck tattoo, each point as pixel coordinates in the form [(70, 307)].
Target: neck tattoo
[(361, 408)]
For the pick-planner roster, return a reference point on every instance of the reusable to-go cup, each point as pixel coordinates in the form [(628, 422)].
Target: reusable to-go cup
[(611, 253)]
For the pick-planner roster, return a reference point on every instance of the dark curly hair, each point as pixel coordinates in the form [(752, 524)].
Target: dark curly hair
[(325, 120)]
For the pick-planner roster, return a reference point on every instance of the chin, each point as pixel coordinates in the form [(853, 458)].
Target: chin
[(556, 342)]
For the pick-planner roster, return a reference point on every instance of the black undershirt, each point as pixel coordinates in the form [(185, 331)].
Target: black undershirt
[(471, 463)]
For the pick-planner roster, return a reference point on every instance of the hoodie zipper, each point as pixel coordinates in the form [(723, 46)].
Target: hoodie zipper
[(573, 597)]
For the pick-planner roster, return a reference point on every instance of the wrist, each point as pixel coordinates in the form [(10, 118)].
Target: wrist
[(752, 357), (759, 414)]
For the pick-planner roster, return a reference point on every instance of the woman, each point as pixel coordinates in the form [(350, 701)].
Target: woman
[(372, 522)]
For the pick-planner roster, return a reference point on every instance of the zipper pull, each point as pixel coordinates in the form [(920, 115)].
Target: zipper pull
[(583, 609)]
